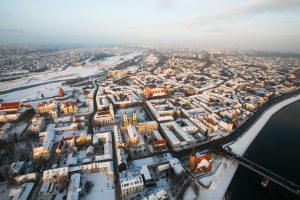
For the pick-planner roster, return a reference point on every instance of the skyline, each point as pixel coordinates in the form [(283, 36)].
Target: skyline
[(261, 25)]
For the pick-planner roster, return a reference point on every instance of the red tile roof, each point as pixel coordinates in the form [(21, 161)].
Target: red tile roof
[(41, 105), (26, 106), (9, 105)]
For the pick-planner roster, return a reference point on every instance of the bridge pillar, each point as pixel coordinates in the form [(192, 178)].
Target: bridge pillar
[(265, 182)]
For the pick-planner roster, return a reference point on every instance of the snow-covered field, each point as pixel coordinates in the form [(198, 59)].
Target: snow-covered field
[(71, 72), (34, 93), (189, 194), (117, 59), (240, 146), (103, 188)]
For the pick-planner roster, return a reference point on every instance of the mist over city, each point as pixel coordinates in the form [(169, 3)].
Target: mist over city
[(247, 24)]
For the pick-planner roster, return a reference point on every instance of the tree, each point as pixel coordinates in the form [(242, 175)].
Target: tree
[(88, 186)]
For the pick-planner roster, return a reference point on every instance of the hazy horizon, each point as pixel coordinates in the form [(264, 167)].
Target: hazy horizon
[(272, 25)]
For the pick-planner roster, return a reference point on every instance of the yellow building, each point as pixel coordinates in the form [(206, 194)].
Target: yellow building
[(68, 108), (83, 140), (144, 127), (147, 127), (104, 116), (43, 109), (40, 153)]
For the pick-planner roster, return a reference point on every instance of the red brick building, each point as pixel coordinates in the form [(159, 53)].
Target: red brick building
[(200, 163)]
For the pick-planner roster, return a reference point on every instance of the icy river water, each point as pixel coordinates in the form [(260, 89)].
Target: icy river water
[(277, 148)]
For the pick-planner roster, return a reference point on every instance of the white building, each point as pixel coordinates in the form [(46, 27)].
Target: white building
[(17, 167), (225, 127), (21, 192), (37, 125), (102, 101), (135, 139), (147, 176), (131, 185), (203, 128), (99, 167), (158, 194), (176, 166), (157, 109), (175, 135), (47, 140), (25, 178), (56, 175), (71, 161), (103, 117), (74, 187), (121, 156)]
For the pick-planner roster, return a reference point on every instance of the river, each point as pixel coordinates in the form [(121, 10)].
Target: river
[(276, 148), (298, 75)]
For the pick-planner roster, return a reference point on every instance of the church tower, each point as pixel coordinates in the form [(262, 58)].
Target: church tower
[(61, 93), (134, 119), (125, 120), (111, 111), (192, 161)]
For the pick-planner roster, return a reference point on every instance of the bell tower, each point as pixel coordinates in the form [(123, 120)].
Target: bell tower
[(134, 119), (61, 93), (192, 161), (125, 120), (111, 111)]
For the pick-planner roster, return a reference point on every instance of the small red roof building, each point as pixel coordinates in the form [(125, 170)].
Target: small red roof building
[(9, 106), (61, 93)]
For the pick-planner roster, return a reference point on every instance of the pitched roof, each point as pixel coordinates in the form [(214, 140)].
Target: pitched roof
[(9, 105)]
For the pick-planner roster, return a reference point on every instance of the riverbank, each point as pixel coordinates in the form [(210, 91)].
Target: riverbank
[(221, 181), (239, 146), (279, 138)]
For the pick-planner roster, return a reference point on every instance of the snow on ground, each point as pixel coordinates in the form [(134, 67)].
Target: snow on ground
[(206, 180), (157, 159), (48, 90), (163, 183), (220, 182), (132, 68), (4, 191), (139, 163), (240, 146), (189, 194), (19, 128), (119, 59), (58, 137), (142, 116), (70, 72), (37, 78), (103, 188)]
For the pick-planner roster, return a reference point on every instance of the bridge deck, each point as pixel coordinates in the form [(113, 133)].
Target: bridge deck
[(264, 172)]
